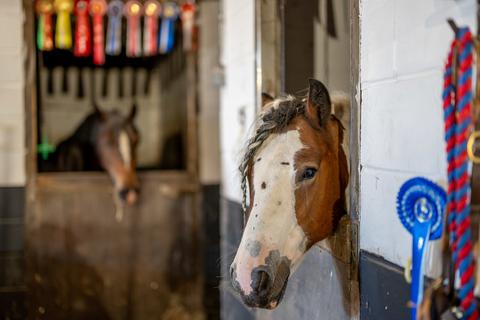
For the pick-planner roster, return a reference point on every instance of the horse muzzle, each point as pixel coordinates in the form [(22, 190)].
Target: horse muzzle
[(128, 195), (267, 285)]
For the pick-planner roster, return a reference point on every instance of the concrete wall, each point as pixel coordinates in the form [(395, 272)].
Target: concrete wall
[(12, 150), (237, 97), (403, 47)]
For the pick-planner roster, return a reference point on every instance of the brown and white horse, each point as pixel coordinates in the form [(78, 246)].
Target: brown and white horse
[(104, 140), (297, 173)]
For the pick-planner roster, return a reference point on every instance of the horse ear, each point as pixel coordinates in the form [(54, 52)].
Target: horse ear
[(133, 112), (266, 99), (98, 111), (319, 106)]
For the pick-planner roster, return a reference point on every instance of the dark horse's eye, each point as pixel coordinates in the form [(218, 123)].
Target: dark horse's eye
[(309, 173)]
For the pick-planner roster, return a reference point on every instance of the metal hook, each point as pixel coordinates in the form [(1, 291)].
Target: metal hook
[(453, 25)]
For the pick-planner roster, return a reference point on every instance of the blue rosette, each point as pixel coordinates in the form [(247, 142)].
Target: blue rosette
[(421, 200), (420, 207)]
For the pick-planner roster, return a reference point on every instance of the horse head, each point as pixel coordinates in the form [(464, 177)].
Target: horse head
[(115, 142), (297, 173)]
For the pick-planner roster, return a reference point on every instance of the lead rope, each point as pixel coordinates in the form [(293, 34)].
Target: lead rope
[(457, 102)]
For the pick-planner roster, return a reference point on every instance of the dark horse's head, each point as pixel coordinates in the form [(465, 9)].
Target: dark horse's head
[(104, 140), (116, 139)]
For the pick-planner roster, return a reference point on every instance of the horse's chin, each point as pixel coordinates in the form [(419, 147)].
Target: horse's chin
[(269, 303), (132, 198), (276, 301)]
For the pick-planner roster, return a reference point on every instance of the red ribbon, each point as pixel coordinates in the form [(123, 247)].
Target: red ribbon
[(188, 24), (98, 8), (133, 10), (83, 45), (44, 9), (48, 32), (150, 39)]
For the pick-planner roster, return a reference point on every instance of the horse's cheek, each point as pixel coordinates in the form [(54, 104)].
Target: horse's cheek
[(302, 210), (311, 215)]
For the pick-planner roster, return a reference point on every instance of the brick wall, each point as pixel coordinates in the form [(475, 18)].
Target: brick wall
[(402, 51)]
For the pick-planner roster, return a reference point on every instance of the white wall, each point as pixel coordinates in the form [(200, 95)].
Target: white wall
[(403, 47), (12, 150), (237, 98)]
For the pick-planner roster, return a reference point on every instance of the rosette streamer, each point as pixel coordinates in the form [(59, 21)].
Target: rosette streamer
[(167, 29)]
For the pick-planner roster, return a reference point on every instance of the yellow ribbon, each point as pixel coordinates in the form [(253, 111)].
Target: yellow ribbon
[(63, 33)]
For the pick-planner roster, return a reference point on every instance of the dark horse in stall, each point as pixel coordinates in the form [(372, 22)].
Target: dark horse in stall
[(103, 141)]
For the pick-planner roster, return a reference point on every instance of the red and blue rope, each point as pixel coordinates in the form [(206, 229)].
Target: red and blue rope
[(457, 105)]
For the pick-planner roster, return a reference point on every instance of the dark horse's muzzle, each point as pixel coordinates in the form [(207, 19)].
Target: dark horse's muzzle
[(129, 195)]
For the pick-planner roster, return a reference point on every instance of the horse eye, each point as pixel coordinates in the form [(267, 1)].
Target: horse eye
[(309, 173)]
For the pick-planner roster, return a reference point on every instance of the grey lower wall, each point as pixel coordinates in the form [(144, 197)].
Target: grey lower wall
[(319, 287), (12, 285), (211, 251), (231, 222), (383, 290)]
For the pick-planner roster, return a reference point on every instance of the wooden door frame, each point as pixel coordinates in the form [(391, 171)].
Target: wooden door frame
[(175, 181), (354, 147)]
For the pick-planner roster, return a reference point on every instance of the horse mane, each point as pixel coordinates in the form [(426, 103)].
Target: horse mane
[(77, 152), (84, 131), (277, 116)]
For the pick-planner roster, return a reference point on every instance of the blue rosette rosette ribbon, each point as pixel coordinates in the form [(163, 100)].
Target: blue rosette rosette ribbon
[(420, 207)]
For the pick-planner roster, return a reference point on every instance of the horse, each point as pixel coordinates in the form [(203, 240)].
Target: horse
[(296, 173), (104, 141)]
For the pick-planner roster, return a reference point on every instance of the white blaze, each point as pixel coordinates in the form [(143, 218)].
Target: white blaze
[(272, 222), (124, 147)]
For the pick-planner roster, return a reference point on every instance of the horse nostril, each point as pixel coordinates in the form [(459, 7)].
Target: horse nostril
[(123, 194), (260, 282)]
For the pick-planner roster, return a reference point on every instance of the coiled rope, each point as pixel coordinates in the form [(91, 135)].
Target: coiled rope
[(457, 105)]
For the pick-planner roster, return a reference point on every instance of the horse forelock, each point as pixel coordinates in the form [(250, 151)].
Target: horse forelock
[(277, 115)]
